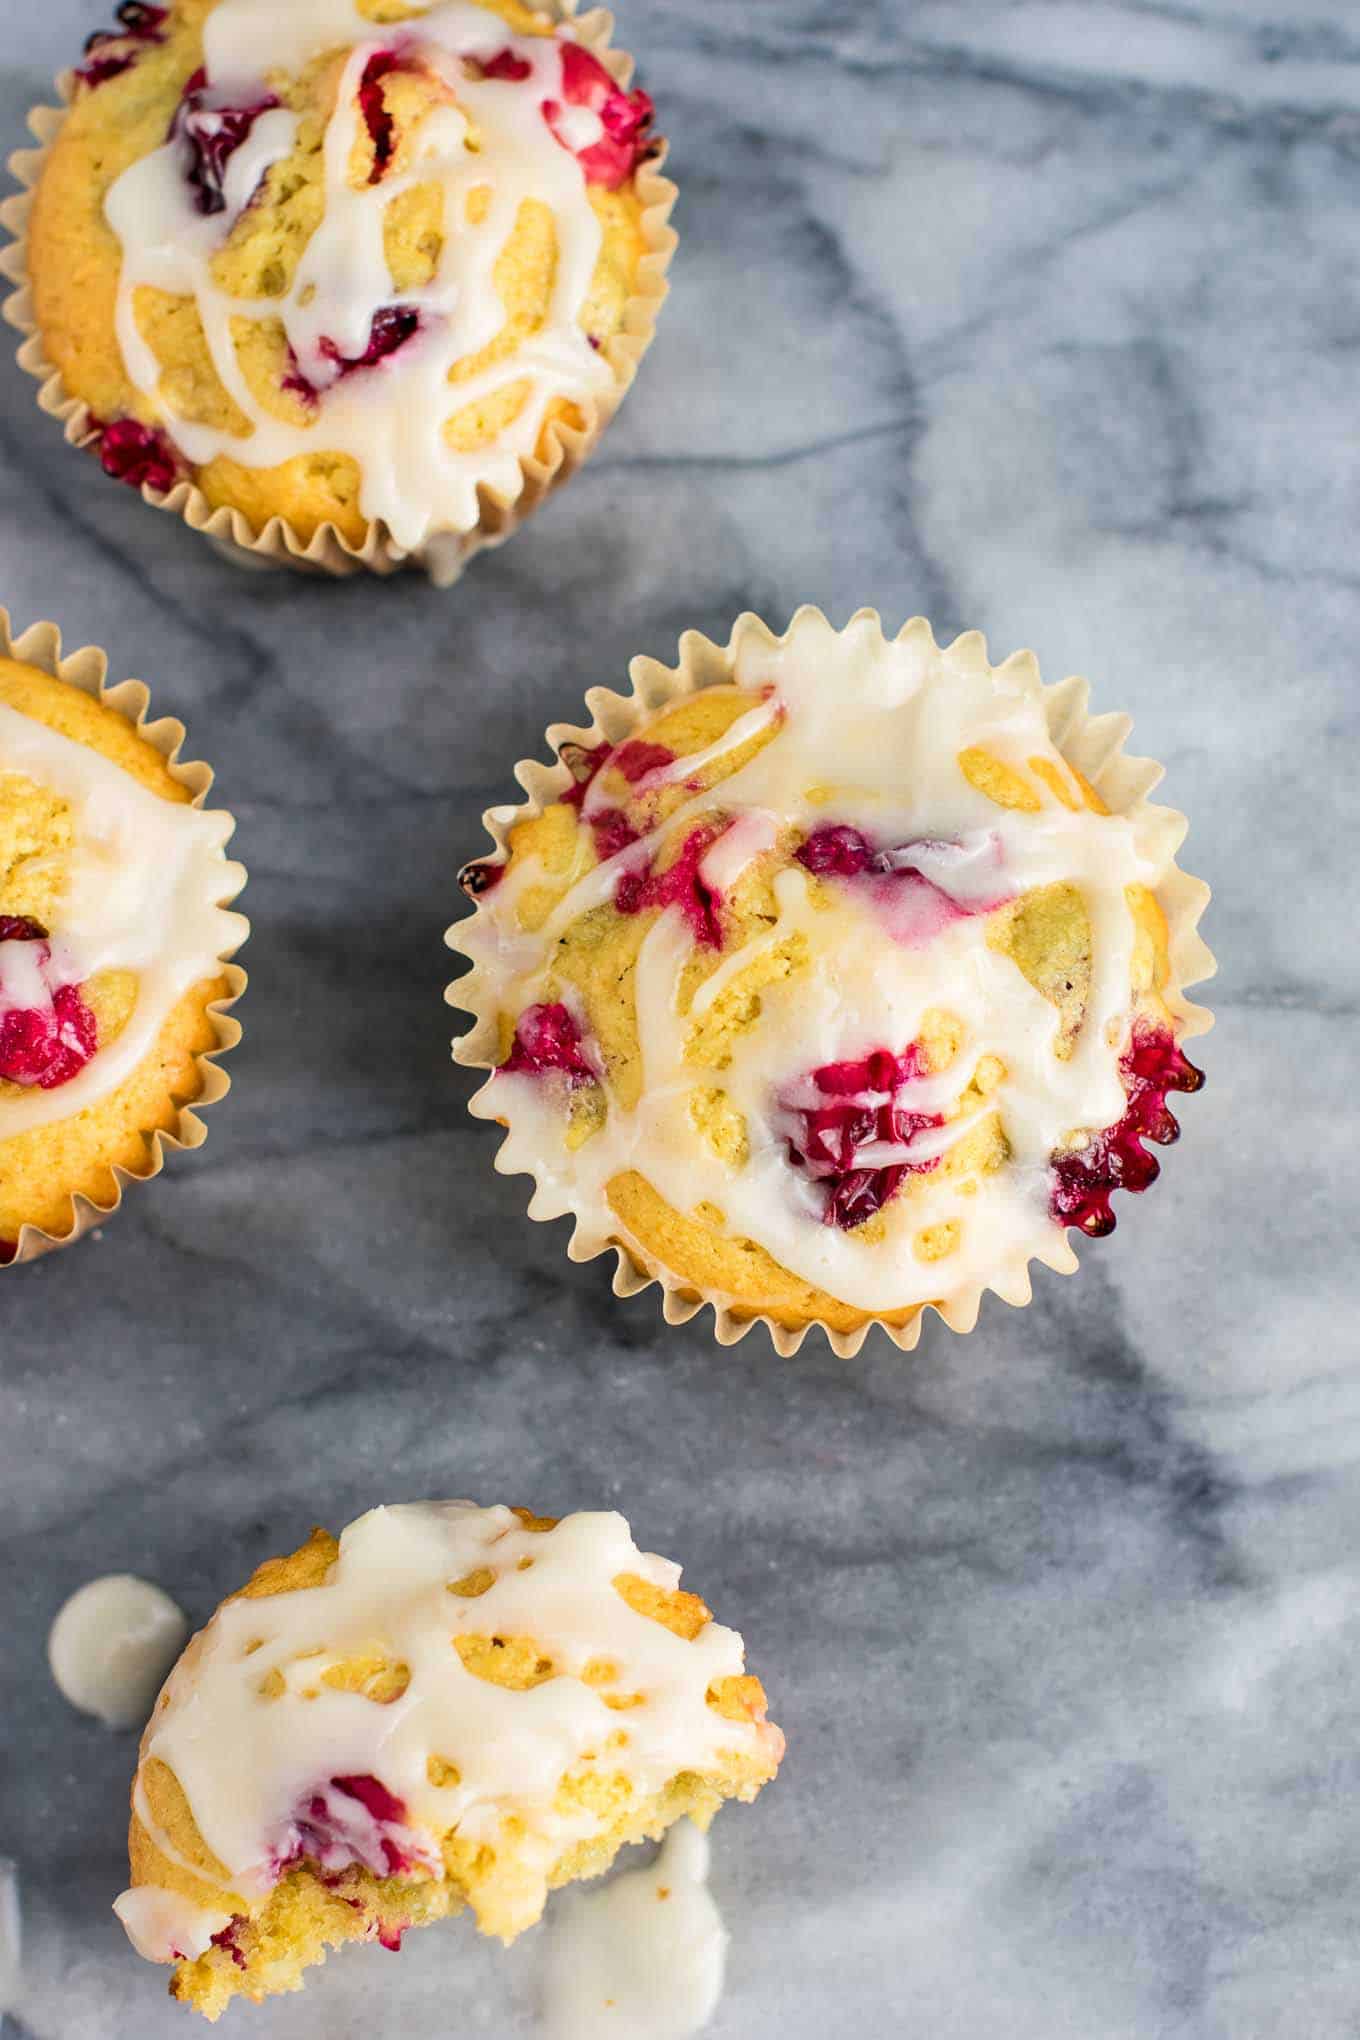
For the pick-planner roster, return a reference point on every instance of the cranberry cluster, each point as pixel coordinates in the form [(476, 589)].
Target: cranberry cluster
[(547, 1038), (1084, 1179), (44, 1045), (860, 1106), (211, 135), (137, 454), (624, 116)]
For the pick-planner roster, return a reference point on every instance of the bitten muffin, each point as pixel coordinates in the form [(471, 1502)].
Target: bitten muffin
[(113, 942), (450, 1706), (826, 984), (352, 265)]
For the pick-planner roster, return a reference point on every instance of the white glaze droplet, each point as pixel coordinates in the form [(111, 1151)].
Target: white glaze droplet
[(11, 1935), (641, 1958), (112, 1645)]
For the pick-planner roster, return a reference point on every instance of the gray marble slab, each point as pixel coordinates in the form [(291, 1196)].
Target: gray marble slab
[(1037, 315)]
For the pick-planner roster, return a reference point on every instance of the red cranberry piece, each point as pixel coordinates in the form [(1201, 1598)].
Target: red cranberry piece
[(624, 116), (836, 852), (373, 1794), (44, 1045), (8, 1249), (480, 877), (506, 65), (211, 136), (682, 885), (635, 759), (392, 327), (612, 831), (373, 106), (827, 1140), (1084, 1179), (109, 57), (322, 1833), (227, 1938), (390, 1938), (547, 1038), (137, 454)]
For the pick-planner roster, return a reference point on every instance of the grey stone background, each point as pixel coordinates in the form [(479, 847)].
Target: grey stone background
[(1042, 317)]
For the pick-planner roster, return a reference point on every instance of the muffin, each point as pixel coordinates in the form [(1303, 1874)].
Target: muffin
[(114, 983), (357, 282), (450, 1706), (830, 979)]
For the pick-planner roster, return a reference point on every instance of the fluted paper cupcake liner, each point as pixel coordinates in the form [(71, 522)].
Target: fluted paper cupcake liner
[(1094, 744), (561, 449), (87, 669)]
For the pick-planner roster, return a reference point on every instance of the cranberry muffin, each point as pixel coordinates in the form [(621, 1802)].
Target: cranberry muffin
[(113, 944), (448, 1706), (831, 978), (372, 270)]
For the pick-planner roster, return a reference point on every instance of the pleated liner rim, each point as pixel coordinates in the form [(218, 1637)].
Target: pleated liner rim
[(87, 669), (445, 554), (1093, 743)]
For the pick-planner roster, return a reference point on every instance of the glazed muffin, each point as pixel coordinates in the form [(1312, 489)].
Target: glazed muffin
[(113, 941), (821, 979), (450, 1706), (376, 270)]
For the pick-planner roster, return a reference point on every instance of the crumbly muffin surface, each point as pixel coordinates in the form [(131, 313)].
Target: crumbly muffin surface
[(339, 264), (834, 990), (448, 1706)]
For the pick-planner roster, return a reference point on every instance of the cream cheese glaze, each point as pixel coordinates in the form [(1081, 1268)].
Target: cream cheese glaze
[(146, 884), (868, 734), (253, 1733), (641, 1957), (389, 419), (111, 1645)]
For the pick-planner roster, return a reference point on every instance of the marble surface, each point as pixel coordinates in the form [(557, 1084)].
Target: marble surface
[(1037, 315)]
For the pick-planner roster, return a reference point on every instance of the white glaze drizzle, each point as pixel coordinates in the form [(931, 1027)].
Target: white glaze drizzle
[(881, 725), (144, 893), (247, 1762), (389, 417), (640, 1958), (111, 1645)]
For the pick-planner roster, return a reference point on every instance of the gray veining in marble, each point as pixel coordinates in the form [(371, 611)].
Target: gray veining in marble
[(1038, 315)]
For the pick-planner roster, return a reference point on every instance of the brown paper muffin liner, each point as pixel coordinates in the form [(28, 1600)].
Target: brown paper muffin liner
[(87, 669), (562, 449), (1094, 744)]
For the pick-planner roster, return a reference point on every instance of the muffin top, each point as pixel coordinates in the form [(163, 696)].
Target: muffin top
[(441, 1670), (392, 238), (839, 971), (110, 890)]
